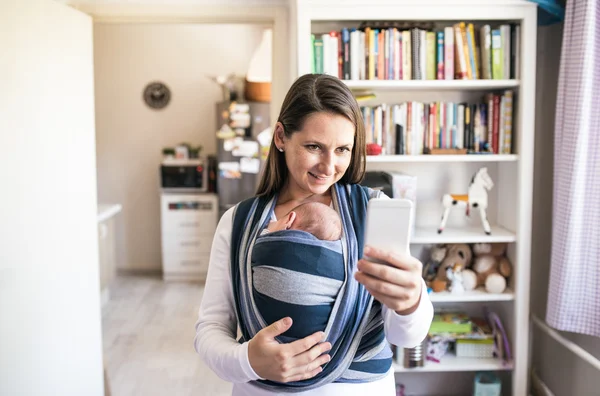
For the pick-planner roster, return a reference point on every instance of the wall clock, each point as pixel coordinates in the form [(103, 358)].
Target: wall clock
[(157, 95)]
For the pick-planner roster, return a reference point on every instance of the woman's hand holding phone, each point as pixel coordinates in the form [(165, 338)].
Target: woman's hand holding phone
[(397, 284)]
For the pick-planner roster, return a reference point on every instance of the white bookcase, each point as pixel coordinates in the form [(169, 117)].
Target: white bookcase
[(510, 201)]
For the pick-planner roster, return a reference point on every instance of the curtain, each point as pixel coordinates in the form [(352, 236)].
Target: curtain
[(574, 290)]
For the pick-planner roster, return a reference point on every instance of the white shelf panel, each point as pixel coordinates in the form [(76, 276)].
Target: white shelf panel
[(471, 296), (452, 363), (473, 234), (428, 85), (443, 158)]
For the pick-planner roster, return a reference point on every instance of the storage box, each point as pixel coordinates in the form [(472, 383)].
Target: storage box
[(472, 348)]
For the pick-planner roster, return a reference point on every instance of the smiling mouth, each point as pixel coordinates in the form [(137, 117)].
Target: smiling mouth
[(319, 177)]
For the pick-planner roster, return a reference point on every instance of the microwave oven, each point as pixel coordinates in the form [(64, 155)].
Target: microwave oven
[(184, 175)]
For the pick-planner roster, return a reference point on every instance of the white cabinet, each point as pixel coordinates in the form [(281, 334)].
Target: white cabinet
[(188, 223)]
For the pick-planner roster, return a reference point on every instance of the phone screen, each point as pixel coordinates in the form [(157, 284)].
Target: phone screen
[(388, 224)]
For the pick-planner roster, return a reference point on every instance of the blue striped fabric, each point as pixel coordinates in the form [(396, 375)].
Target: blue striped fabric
[(304, 292), (292, 273)]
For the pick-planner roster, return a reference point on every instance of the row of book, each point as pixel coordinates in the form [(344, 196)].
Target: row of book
[(387, 51), (413, 128)]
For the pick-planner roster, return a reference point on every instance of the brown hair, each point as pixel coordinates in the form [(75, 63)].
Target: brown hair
[(314, 93)]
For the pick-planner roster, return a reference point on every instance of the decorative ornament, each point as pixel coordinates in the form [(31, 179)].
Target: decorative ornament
[(476, 198), (157, 95)]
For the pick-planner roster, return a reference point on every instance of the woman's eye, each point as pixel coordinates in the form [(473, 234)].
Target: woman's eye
[(312, 147), (344, 150)]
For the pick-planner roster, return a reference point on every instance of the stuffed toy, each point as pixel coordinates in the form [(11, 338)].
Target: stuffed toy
[(457, 254), (455, 276), (490, 269), (436, 256)]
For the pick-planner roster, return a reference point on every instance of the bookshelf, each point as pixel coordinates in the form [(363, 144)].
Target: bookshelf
[(510, 201), (463, 234), (438, 85), (442, 158), (477, 295), (451, 363)]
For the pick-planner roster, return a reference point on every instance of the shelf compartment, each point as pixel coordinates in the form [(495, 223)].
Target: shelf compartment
[(477, 295), (473, 234), (451, 363), (427, 85), (442, 158)]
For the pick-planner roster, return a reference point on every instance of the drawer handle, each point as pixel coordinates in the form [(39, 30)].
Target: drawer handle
[(190, 262)]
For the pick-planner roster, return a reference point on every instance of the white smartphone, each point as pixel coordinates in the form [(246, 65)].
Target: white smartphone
[(389, 224)]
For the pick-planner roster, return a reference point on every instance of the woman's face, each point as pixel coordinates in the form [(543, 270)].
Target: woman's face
[(319, 154)]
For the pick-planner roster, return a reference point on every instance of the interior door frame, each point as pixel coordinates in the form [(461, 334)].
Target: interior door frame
[(277, 16)]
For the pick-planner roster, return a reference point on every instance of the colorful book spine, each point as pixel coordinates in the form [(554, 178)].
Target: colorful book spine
[(430, 55), (501, 124), (465, 50), (475, 53), (470, 53), (354, 54), (372, 53), (397, 55), (449, 53), (461, 60), (345, 35), (312, 54), (506, 52), (406, 55), (508, 122), (486, 55), (440, 55), (497, 59), (381, 55), (318, 55), (496, 125), (490, 122)]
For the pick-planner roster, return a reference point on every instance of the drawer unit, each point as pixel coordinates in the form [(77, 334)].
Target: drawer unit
[(192, 243), (189, 214), (183, 263), (188, 223)]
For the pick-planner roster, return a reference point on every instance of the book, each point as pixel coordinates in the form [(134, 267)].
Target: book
[(451, 322), (449, 53), (497, 55), (486, 55)]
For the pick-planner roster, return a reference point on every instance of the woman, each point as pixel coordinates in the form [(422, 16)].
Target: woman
[(317, 155)]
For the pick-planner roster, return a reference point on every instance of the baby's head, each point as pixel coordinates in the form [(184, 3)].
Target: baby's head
[(313, 217)]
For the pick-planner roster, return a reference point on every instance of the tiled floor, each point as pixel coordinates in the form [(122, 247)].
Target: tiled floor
[(148, 333)]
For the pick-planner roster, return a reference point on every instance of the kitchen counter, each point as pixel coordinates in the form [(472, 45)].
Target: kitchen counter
[(106, 211)]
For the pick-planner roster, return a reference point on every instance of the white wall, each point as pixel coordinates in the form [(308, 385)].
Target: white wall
[(562, 371), (50, 331), (130, 135)]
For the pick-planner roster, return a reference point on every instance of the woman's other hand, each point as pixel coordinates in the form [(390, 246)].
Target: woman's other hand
[(397, 285), (298, 360)]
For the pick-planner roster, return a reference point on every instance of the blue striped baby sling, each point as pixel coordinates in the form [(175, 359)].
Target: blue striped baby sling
[(292, 273)]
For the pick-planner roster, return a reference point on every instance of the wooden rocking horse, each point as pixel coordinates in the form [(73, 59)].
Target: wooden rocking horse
[(477, 198)]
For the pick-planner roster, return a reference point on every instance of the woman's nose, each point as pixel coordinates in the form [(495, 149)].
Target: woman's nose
[(328, 164)]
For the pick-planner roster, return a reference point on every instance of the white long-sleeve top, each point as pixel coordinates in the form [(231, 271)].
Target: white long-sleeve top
[(216, 330)]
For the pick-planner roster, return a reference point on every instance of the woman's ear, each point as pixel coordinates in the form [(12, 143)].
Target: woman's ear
[(279, 136), (290, 218)]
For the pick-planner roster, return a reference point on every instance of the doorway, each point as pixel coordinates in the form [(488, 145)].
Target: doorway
[(132, 47)]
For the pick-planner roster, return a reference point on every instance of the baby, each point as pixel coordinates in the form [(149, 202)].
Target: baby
[(288, 256), (316, 218)]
